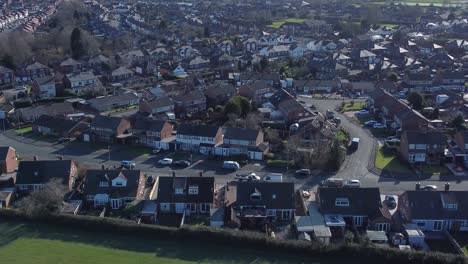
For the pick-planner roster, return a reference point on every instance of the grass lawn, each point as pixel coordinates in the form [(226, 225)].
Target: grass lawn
[(388, 25), (278, 24), (389, 162), (436, 169), (342, 136), (353, 107), (23, 130), (141, 151), (42, 243)]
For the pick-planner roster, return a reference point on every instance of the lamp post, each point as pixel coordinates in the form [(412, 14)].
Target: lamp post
[(108, 152)]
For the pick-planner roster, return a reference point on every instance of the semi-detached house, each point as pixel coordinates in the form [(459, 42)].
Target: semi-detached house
[(198, 138)]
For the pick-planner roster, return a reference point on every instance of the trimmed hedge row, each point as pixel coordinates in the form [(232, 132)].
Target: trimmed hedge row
[(234, 238)]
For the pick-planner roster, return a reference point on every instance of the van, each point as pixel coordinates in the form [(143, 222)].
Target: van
[(273, 177), (354, 143), (330, 114), (127, 164), (333, 182), (231, 165)]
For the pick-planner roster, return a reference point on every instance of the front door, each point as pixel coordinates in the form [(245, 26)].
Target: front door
[(437, 226), (286, 215)]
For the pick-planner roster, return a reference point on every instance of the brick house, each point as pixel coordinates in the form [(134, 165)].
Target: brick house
[(70, 65), (8, 161), (243, 141), (44, 87), (7, 76), (190, 103), (255, 91), (198, 138), (157, 106), (153, 133), (32, 71), (32, 175), (110, 129), (422, 146)]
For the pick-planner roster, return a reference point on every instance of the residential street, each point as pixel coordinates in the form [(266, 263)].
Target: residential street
[(94, 156)]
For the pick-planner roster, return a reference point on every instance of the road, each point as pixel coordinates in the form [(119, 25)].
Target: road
[(355, 164), (95, 156)]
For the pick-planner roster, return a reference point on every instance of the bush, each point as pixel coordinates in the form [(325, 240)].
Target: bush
[(235, 238)]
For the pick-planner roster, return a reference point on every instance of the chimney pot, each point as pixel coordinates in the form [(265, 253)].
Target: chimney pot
[(418, 185), (447, 186), (35, 158)]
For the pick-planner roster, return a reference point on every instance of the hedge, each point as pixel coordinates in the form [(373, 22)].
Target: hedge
[(240, 239), (278, 163)]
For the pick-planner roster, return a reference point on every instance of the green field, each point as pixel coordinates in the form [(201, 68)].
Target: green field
[(40, 243), (278, 24)]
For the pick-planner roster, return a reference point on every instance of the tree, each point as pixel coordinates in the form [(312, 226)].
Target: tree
[(219, 109), (76, 44), (396, 36), (416, 100), (206, 32), (239, 106), (393, 77), (263, 63), (336, 156), (45, 201), (232, 107), (7, 61), (458, 122), (162, 25)]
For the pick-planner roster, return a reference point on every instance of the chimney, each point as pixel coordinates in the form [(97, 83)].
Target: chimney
[(60, 157), (418, 185), (173, 173), (200, 173), (35, 158), (103, 167), (447, 186)]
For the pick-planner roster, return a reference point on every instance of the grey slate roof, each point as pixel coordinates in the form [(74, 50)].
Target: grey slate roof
[(274, 195), (91, 183), (428, 204), (167, 186), (241, 133), (109, 122), (41, 171), (4, 152), (197, 130)]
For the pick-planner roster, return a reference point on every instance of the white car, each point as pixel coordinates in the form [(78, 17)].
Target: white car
[(362, 112), (352, 183), (429, 188), (379, 125), (165, 161)]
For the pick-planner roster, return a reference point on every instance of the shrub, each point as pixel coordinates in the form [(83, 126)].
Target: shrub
[(278, 163)]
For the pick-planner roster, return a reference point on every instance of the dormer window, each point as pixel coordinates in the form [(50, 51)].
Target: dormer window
[(451, 206), (256, 196), (193, 190), (179, 191), (103, 184), (342, 202)]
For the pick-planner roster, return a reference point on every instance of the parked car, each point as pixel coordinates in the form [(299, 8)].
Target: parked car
[(362, 112), (332, 182), (330, 114), (390, 201), (370, 123), (303, 172), (273, 177), (352, 183), (354, 144), (379, 126), (428, 188), (231, 165), (165, 161), (157, 150), (63, 139), (305, 193), (247, 177), (181, 163), (127, 164)]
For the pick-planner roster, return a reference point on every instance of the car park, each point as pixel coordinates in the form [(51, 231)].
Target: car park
[(127, 164), (165, 161)]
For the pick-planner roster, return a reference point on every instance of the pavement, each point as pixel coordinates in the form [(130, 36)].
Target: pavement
[(355, 165)]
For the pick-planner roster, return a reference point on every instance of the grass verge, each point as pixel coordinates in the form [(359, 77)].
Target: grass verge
[(389, 162), (23, 130)]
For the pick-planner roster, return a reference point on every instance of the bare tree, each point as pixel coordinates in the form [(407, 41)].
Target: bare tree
[(46, 201), (253, 121)]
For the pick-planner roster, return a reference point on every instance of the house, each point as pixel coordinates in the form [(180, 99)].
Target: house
[(198, 138), (243, 141), (110, 129), (59, 127), (32, 175), (116, 188), (183, 195), (254, 204), (192, 102), (153, 133), (434, 210), (460, 151), (32, 71), (256, 90), (157, 106), (110, 102), (81, 83), (251, 45), (290, 108), (422, 146), (296, 51), (7, 76), (70, 65), (97, 63), (353, 208), (32, 113), (121, 74), (453, 80), (441, 60), (8, 160), (275, 51), (219, 94), (44, 87), (199, 63), (418, 81)]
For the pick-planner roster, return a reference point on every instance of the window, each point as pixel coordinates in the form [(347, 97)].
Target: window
[(193, 190), (358, 220), (421, 224), (342, 202), (286, 215), (179, 191), (437, 225), (103, 184), (204, 207), (255, 197), (411, 146), (436, 146), (118, 184), (451, 206)]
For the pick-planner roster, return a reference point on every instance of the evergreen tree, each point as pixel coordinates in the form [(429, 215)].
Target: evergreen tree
[(76, 44)]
